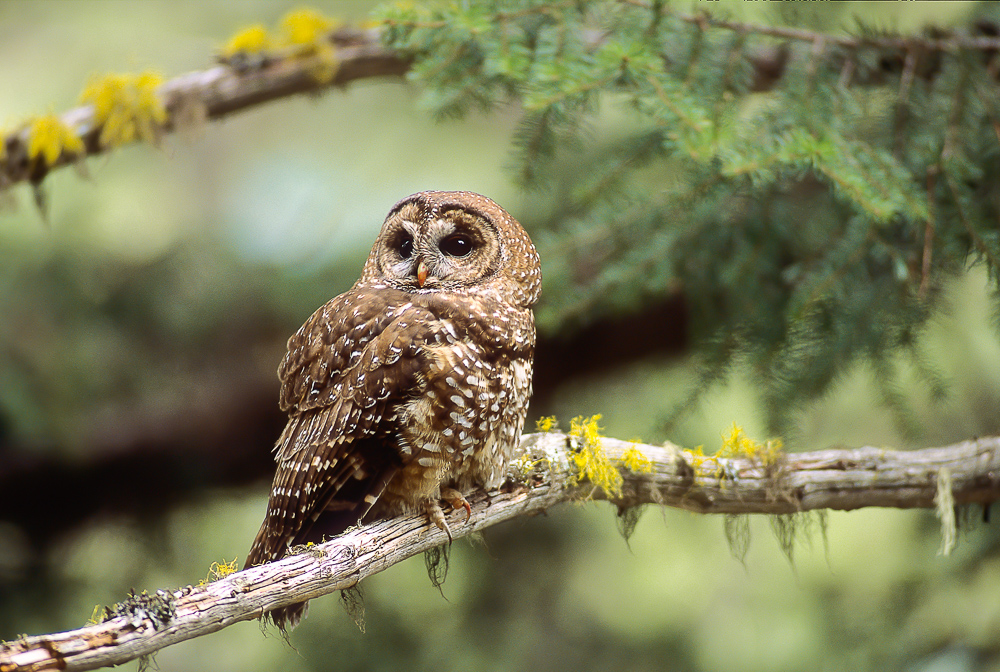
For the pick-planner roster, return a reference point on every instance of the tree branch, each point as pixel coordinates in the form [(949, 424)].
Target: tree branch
[(214, 93), (986, 40), (792, 483), (359, 54)]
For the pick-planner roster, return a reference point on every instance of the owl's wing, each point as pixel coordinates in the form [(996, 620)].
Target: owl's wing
[(347, 369)]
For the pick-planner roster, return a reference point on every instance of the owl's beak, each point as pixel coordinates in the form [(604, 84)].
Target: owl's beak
[(421, 273)]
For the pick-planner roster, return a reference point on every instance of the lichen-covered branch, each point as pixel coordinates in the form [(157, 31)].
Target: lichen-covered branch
[(548, 474), (214, 93)]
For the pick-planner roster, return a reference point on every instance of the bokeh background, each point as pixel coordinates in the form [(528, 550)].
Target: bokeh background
[(142, 320)]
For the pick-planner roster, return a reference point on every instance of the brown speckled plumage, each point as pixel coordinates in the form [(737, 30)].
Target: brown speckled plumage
[(414, 380)]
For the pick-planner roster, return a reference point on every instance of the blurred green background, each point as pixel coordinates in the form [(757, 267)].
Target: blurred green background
[(156, 299)]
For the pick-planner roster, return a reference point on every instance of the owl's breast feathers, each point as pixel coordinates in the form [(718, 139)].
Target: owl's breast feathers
[(369, 345), (380, 382)]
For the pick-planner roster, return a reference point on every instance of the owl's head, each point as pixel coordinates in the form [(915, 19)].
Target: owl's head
[(455, 241)]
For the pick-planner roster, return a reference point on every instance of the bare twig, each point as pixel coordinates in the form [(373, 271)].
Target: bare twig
[(826, 479)]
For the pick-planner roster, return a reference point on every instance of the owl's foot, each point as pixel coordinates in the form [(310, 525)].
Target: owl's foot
[(436, 516), (436, 513), (457, 500)]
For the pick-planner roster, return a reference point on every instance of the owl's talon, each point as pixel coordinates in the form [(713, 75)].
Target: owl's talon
[(457, 500), (436, 515)]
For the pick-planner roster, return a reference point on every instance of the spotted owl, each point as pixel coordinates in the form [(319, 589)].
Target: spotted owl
[(413, 385)]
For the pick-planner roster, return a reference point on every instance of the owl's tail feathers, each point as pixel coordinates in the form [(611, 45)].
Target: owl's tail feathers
[(287, 618), (266, 548), (335, 510)]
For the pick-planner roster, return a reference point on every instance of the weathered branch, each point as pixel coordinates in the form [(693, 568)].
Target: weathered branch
[(225, 89), (827, 479)]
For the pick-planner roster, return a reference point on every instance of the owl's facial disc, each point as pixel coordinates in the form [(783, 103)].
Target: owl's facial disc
[(444, 248)]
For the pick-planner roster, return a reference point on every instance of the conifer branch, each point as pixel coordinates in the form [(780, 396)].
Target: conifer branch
[(769, 482), (947, 43)]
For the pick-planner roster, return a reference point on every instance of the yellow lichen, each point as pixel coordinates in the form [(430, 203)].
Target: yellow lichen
[(698, 458), (49, 138), (252, 40), (590, 460), (306, 31), (546, 424), (306, 26), (303, 33), (126, 106), (219, 570), (586, 429), (635, 461), (738, 444)]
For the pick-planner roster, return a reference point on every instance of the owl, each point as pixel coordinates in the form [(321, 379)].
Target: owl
[(412, 387)]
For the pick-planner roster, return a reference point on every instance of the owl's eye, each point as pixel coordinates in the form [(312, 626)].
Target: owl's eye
[(405, 247), (457, 245)]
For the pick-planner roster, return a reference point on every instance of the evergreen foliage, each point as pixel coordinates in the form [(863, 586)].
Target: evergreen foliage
[(809, 194)]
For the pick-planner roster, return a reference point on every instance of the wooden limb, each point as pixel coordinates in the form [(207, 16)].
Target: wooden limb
[(826, 479), (214, 93)]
